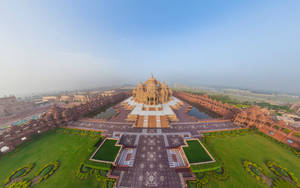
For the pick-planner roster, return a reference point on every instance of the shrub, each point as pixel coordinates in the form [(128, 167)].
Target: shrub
[(221, 174), (20, 172), (21, 184), (254, 170), (280, 183), (287, 131), (296, 134), (205, 167), (238, 132), (83, 172), (104, 181), (81, 132), (50, 169), (281, 171)]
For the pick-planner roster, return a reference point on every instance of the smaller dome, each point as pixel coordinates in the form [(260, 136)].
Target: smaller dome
[(164, 85), (140, 85)]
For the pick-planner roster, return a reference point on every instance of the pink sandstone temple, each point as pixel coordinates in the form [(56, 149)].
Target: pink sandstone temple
[(152, 105)]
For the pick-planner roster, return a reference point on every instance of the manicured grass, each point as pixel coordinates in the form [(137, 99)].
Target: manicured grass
[(108, 151), (253, 147), (195, 152), (69, 149)]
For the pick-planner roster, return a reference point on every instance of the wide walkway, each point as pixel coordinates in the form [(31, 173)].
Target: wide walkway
[(151, 166)]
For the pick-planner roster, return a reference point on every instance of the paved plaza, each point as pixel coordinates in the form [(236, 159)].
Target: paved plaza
[(151, 156), (151, 166)]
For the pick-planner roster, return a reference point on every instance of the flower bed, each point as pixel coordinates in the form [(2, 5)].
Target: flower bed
[(203, 178), (282, 172), (254, 170), (221, 174), (227, 133), (83, 172), (47, 170), (80, 132), (21, 184), (280, 183), (20, 172)]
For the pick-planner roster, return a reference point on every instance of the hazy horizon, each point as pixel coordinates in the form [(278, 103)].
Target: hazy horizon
[(48, 46)]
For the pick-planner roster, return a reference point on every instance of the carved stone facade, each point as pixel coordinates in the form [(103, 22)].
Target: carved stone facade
[(55, 117), (152, 92), (256, 117), (250, 117)]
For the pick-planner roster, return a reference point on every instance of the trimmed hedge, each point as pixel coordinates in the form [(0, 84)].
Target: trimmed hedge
[(42, 177), (221, 174), (83, 172), (80, 132), (203, 178), (257, 174), (97, 165), (104, 181), (27, 168), (280, 183), (21, 184), (205, 167), (238, 132), (273, 165)]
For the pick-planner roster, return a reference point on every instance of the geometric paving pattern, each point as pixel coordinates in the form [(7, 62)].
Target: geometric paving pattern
[(151, 166)]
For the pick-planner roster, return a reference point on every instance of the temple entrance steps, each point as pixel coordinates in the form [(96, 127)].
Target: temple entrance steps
[(140, 122), (164, 122), (152, 122)]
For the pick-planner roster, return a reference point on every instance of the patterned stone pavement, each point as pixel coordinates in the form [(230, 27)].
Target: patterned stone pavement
[(151, 166), (148, 165)]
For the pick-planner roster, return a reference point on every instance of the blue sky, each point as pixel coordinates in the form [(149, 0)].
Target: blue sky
[(60, 45)]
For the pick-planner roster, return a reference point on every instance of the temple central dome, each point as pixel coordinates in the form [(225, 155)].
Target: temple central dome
[(152, 92)]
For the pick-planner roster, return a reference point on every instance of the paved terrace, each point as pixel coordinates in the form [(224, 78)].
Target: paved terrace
[(110, 128), (151, 166)]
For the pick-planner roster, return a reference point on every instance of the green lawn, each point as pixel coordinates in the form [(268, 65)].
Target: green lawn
[(69, 149), (195, 152), (108, 151), (253, 147)]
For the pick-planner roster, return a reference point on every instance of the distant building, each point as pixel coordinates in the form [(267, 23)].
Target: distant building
[(296, 107), (108, 93), (81, 98), (50, 99), (11, 106), (66, 98)]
